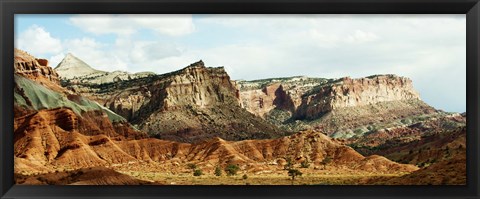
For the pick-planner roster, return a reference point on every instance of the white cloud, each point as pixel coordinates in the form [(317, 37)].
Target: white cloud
[(151, 51), (172, 25), (36, 40), (361, 37), (56, 59), (98, 55)]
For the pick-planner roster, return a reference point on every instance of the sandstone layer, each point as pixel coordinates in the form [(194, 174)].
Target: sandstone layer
[(52, 140), (37, 89), (335, 106), (35, 69), (188, 105)]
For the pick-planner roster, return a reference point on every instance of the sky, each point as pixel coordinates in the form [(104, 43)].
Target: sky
[(429, 49)]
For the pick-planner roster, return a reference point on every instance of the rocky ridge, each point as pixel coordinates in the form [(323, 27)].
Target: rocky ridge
[(314, 103), (188, 105), (36, 69), (36, 92), (52, 140)]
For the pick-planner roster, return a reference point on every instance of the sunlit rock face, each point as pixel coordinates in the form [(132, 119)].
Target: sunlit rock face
[(356, 92), (33, 68)]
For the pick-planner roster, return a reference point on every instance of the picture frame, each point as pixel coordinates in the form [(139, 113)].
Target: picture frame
[(8, 8)]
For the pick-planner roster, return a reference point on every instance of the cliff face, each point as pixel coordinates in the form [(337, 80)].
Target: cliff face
[(356, 92), (262, 96), (262, 101), (33, 68), (336, 106), (307, 98), (188, 105), (195, 85), (200, 86)]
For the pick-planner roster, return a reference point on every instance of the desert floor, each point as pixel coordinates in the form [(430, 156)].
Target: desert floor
[(263, 179)]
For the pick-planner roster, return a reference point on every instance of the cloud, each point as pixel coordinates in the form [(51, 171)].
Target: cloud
[(361, 37), (98, 55), (151, 51), (171, 25), (56, 59), (36, 40)]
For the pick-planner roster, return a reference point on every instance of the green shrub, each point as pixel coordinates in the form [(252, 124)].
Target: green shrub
[(192, 166), (218, 171), (289, 164), (406, 121), (326, 161), (305, 164), (294, 173), (197, 172), (231, 169)]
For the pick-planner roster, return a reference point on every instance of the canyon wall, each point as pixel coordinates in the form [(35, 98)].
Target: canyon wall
[(310, 99), (188, 105), (356, 92)]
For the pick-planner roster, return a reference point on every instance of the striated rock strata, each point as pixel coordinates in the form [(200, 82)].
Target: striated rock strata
[(48, 141), (35, 69), (335, 106), (188, 105), (37, 89)]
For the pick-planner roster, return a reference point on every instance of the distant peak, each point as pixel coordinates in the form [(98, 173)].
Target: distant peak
[(69, 55), (71, 67), (70, 61)]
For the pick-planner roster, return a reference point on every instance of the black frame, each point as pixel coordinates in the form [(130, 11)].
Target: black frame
[(10, 7)]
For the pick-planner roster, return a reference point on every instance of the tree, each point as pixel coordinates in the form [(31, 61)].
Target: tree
[(289, 164), (305, 164), (197, 172), (218, 171), (294, 173), (245, 177), (231, 169), (326, 161), (192, 166)]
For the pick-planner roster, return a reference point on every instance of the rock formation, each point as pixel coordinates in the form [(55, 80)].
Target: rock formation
[(38, 94), (50, 141), (335, 106), (36, 69), (188, 105), (349, 92), (71, 67), (262, 96)]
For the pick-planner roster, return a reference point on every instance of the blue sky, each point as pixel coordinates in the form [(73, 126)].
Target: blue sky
[(429, 49)]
